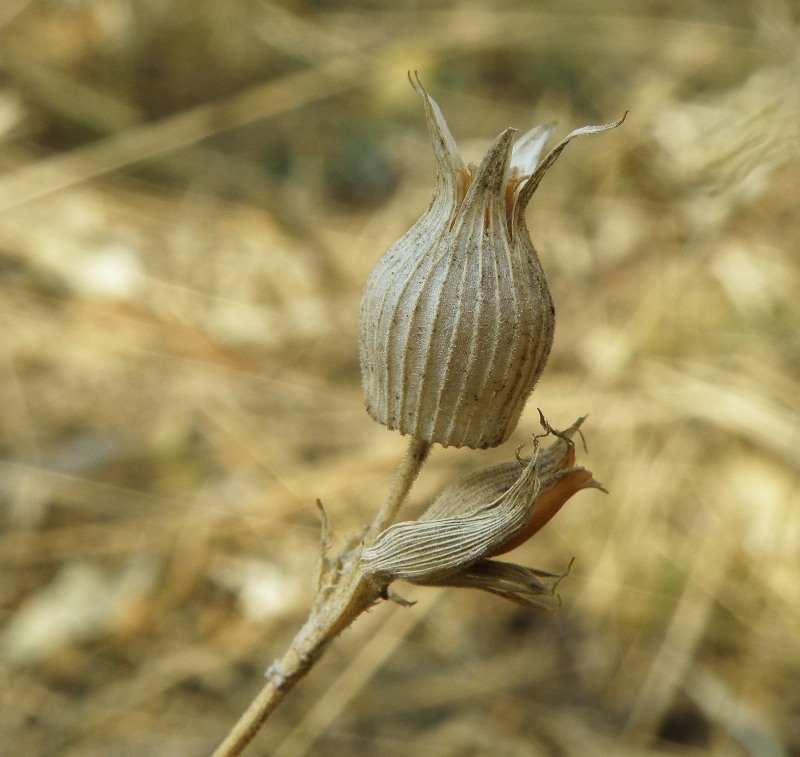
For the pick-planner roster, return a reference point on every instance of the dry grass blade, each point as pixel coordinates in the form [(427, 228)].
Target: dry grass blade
[(140, 143), (682, 636)]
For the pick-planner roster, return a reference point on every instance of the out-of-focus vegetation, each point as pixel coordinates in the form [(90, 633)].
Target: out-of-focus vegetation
[(191, 196)]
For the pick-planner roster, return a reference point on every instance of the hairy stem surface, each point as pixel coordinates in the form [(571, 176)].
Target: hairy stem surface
[(414, 459), (343, 594)]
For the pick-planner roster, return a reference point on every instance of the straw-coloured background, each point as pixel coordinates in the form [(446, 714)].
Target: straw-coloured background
[(191, 196)]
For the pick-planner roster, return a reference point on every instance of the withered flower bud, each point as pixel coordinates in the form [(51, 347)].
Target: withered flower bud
[(481, 515), (456, 319)]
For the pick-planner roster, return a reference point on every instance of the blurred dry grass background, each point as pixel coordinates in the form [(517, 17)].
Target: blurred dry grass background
[(191, 196)]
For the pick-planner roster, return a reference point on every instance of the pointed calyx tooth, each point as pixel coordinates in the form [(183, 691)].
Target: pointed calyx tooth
[(479, 516), (456, 319)]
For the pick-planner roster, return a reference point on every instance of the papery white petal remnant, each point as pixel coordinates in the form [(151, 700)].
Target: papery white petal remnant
[(456, 320)]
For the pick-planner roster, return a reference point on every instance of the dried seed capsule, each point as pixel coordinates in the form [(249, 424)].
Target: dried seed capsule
[(456, 319)]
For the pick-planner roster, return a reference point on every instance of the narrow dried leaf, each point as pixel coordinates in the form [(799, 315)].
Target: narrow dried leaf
[(525, 586)]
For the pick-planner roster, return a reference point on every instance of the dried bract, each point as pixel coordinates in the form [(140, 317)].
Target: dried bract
[(456, 319), (525, 586)]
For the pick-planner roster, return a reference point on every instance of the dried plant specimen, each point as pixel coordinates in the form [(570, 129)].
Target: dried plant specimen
[(455, 328)]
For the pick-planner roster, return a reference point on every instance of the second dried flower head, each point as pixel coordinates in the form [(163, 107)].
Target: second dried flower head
[(484, 514), (456, 319)]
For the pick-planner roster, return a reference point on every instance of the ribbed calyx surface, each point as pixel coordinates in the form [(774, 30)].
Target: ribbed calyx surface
[(456, 319)]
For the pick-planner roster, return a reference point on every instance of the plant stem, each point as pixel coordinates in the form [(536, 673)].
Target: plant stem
[(337, 604), (415, 456), (352, 595)]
